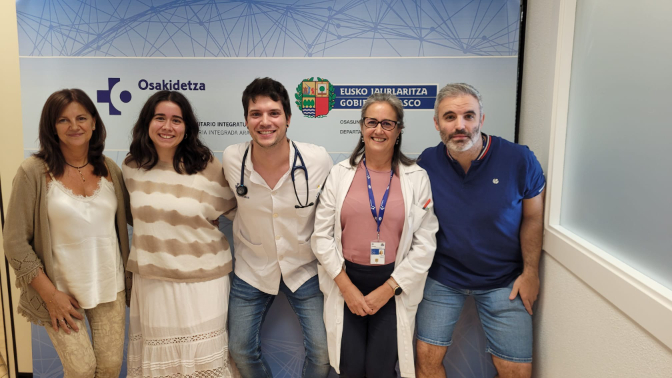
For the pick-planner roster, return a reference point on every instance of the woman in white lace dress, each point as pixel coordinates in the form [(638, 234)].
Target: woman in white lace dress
[(180, 260), (66, 237)]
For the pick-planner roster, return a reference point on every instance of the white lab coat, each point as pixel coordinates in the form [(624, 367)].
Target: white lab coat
[(271, 236), (414, 255)]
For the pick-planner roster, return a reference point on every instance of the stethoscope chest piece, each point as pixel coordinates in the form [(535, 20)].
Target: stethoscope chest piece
[(241, 190)]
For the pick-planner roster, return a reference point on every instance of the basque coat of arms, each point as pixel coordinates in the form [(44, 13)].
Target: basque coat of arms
[(315, 98)]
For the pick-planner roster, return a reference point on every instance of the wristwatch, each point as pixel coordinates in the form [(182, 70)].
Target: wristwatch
[(397, 289)]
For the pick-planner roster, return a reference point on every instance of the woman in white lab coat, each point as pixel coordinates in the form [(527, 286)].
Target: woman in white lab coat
[(375, 240)]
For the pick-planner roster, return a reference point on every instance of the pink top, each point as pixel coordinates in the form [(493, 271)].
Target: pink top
[(359, 227)]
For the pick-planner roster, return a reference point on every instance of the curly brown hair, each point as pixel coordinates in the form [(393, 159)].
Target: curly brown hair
[(191, 156)]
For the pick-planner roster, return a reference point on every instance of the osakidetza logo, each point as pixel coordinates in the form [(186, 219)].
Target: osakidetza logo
[(105, 95)]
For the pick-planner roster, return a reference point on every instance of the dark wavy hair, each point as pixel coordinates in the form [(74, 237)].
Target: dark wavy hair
[(191, 156), (50, 148), (266, 87), (397, 155)]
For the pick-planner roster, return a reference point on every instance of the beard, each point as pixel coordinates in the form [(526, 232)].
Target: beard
[(460, 145), (279, 138)]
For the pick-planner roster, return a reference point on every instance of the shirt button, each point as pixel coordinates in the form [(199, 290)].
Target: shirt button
[(275, 215), (277, 237)]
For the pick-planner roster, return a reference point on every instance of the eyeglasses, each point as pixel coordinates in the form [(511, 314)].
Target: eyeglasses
[(372, 123)]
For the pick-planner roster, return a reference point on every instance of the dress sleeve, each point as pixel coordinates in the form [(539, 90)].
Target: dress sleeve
[(226, 203), (19, 230)]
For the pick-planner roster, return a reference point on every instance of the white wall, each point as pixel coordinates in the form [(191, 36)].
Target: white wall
[(11, 155), (578, 333)]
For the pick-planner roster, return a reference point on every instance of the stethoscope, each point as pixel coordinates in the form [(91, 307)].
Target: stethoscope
[(241, 189)]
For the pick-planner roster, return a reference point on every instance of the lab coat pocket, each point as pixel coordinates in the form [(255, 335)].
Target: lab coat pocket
[(306, 251), (254, 254), (305, 211), (418, 214)]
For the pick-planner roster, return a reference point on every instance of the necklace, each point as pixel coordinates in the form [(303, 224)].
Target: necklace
[(79, 169)]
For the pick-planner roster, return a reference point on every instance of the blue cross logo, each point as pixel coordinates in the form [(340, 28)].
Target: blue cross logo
[(104, 95)]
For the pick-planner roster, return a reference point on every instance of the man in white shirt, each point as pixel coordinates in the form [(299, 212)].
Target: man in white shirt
[(276, 196)]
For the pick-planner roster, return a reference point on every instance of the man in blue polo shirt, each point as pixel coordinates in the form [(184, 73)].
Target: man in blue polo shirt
[(489, 199)]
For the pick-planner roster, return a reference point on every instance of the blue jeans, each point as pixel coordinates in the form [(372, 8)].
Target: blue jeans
[(247, 311), (506, 323)]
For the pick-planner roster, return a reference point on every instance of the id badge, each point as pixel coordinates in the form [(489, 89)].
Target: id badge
[(377, 252)]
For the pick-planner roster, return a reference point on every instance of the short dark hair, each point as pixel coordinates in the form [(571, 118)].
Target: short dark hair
[(269, 88), (50, 148), (397, 155), (192, 155)]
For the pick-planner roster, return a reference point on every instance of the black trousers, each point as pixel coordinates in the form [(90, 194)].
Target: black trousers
[(369, 343)]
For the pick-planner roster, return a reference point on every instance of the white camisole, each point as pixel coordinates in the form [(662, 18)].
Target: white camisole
[(87, 261)]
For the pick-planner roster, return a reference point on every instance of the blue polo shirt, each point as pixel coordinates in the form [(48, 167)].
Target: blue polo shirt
[(478, 242)]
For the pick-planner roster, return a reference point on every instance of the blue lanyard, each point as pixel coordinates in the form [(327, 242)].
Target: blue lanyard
[(377, 217)]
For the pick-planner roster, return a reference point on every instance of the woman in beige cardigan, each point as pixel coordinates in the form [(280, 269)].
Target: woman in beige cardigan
[(66, 237)]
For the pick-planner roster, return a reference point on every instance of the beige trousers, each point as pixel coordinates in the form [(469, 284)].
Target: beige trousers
[(101, 358)]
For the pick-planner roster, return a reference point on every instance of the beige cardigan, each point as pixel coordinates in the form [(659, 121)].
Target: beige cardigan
[(26, 234)]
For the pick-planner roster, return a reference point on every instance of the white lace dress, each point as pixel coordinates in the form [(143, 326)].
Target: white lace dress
[(178, 329), (178, 322)]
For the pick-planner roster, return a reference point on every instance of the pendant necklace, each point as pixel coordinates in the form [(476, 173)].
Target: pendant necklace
[(79, 169)]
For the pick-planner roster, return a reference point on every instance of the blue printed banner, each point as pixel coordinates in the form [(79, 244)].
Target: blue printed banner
[(120, 52), (411, 96), (401, 91), (275, 28)]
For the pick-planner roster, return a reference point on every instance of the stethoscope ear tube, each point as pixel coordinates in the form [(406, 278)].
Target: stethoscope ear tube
[(241, 189)]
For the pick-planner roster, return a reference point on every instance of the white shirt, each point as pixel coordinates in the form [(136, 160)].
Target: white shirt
[(271, 237), (87, 261)]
